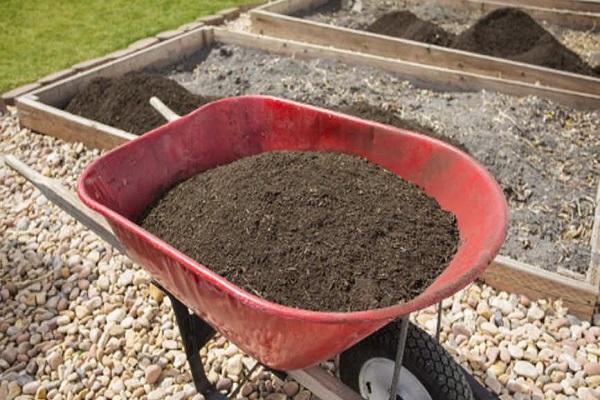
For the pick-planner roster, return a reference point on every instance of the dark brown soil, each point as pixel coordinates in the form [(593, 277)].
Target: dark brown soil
[(404, 24), (511, 33), (123, 102), (367, 111), (320, 231)]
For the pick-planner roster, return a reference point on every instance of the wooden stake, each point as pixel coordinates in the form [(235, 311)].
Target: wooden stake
[(162, 109)]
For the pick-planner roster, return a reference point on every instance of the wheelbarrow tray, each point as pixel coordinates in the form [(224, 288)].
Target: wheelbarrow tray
[(122, 183)]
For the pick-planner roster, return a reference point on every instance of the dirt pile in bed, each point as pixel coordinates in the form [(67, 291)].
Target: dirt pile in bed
[(123, 102), (404, 24), (511, 33), (320, 231)]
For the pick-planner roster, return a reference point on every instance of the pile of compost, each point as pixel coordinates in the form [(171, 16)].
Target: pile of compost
[(319, 231), (405, 24), (511, 33), (506, 32), (124, 102)]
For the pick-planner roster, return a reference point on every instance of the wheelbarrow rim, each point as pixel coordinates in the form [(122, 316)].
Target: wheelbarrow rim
[(389, 313)]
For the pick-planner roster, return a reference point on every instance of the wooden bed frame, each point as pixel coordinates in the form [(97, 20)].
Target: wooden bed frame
[(274, 20), (41, 111)]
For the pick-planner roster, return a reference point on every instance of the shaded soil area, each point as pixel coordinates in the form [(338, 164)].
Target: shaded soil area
[(507, 32), (124, 102), (405, 24), (511, 33), (364, 110), (320, 231)]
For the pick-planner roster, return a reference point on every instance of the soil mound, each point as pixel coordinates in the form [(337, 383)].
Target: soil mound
[(367, 111), (123, 102), (320, 231), (511, 33), (406, 25)]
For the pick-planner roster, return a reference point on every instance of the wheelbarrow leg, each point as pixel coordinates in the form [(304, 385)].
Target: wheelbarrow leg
[(399, 356), (195, 333), (438, 327)]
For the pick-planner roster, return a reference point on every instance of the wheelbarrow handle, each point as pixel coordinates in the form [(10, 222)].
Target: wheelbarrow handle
[(66, 200), (163, 109)]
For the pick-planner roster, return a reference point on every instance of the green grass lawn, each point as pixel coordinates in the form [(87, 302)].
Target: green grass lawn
[(38, 37)]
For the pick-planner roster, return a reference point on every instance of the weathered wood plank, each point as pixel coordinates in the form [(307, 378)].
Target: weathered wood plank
[(516, 277), (45, 119), (286, 27), (323, 385), (593, 275), (8, 98)]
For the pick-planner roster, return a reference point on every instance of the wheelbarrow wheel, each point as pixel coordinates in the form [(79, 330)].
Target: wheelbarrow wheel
[(428, 373)]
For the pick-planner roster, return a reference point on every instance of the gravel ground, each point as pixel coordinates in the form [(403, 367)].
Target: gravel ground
[(544, 155), (81, 322), (585, 43)]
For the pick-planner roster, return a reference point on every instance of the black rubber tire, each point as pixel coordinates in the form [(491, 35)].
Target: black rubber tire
[(424, 357)]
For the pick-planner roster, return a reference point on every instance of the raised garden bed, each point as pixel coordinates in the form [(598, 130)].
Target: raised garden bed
[(320, 22), (486, 123)]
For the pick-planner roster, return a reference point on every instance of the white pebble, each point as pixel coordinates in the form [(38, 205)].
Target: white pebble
[(526, 369)]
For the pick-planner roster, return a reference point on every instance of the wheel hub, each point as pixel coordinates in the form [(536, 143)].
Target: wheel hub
[(375, 379)]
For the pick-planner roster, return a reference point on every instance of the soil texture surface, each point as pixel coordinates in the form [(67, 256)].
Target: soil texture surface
[(319, 231), (124, 102), (544, 155), (405, 24), (507, 33)]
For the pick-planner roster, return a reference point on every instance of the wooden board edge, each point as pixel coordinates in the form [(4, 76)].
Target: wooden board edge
[(323, 385), (513, 276), (8, 98), (428, 76), (42, 118), (593, 273), (286, 27)]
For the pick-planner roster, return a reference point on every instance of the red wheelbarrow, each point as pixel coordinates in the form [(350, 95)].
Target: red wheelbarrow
[(123, 182)]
